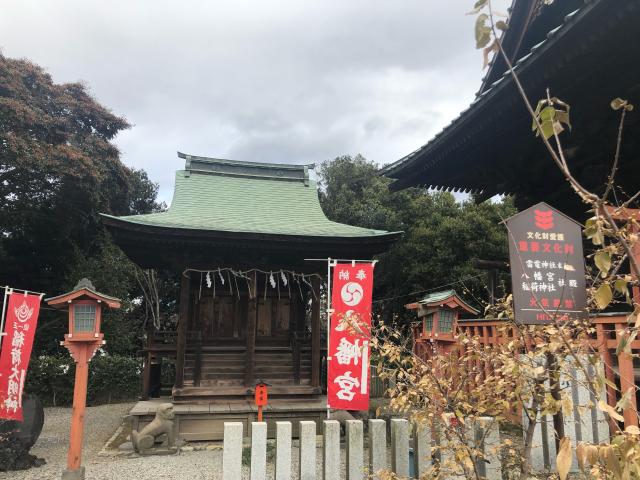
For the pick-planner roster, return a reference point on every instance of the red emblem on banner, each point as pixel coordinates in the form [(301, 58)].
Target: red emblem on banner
[(20, 328), (348, 372)]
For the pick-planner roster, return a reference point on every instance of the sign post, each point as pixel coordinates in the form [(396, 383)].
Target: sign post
[(547, 277)]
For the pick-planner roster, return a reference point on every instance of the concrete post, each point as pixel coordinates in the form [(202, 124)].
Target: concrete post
[(283, 450), (331, 450), (487, 428), (400, 447), (377, 446), (307, 463), (355, 450), (421, 449), (258, 450), (232, 451)]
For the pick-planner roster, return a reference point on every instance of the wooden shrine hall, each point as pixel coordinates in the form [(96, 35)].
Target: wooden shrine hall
[(249, 306)]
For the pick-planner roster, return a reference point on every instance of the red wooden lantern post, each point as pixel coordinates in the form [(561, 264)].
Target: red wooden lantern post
[(82, 341)]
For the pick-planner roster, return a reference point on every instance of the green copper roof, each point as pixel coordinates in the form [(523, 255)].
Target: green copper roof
[(437, 296), (232, 196)]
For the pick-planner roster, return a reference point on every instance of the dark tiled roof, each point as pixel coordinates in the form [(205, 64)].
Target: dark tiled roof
[(522, 64)]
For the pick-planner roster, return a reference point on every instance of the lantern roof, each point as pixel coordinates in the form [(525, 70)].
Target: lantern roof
[(83, 290)]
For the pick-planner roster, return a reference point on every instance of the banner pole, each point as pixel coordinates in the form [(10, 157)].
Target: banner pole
[(328, 330), (4, 310)]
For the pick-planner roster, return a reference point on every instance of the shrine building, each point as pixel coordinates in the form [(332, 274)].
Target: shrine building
[(586, 53), (240, 234)]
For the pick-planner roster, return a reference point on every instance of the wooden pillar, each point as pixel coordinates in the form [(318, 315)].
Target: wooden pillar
[(626, 214), (607, 360), (252, 318), (296, 358), (627, 381), (146, 375), (315, 333), (82, 352), (74, 455), (146, 368), (479, 373), (197, 369), (183, 321), (485, 343)]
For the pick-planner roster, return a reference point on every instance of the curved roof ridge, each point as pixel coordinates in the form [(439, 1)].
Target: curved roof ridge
[(223, 166)]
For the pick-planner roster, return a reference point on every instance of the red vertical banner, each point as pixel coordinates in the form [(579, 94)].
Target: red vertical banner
[(20, 328), (348, 372)]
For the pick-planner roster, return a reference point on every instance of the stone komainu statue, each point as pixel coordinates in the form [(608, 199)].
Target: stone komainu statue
[(161, 425)]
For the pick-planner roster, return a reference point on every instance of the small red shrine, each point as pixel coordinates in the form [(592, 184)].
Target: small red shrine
[(438, 315)]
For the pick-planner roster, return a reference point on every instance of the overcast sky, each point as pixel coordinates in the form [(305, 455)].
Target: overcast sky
[(291, 81)]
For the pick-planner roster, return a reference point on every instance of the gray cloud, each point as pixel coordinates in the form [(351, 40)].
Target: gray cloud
[(285, 80)]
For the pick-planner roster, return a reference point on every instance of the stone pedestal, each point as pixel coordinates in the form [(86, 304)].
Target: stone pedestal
[(77, 474)]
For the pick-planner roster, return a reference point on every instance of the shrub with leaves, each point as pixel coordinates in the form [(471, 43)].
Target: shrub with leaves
[(526, 365), (111, 378)]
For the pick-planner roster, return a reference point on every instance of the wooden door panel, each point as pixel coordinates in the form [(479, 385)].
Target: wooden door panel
[(226, 318), (264, 317), (283, 315), (206, 317)]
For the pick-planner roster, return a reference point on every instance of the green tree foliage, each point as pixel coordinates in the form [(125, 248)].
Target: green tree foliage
[(111, 378), (58, 170), (441, 237)]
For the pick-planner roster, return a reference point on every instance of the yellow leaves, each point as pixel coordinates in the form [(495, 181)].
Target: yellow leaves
[(605, 407), (593, 231), (567, 406), (539, 371), (626, 340), (618, 103), (553, 116), (479, 5), (608, 456), (563, 460), (621, 285), (581, 455), (625, 400), (635, 317), (603, 296), (592, 454), (632, 430), (502, 25), (482, 31), (602, 260), (586, 455)]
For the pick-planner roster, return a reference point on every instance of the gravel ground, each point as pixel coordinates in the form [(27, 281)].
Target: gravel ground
[(101, 423)]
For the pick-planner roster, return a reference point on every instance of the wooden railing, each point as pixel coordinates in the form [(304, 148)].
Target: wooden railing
[(609, 333)]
